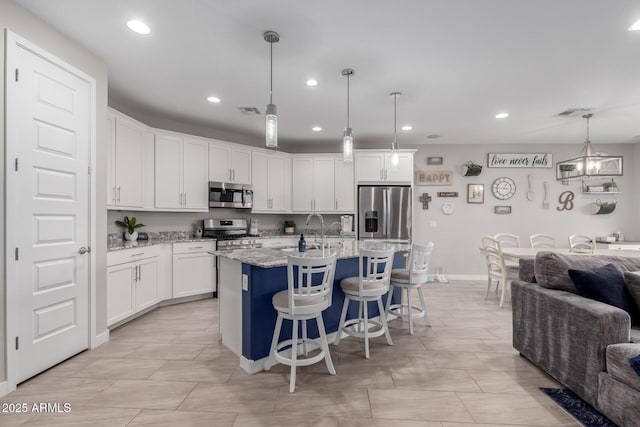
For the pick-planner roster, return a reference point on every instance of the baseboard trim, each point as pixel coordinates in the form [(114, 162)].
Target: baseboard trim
[(4, 389), (99, 339)]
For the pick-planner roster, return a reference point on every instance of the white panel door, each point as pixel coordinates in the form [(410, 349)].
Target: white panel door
[(260, 181), (241, 166), (120, 291), (344, 186), (219, 163), (278, 183), (168, 176), (403, 172), (146, 285), (302, 184), (49, 134), (196, 174), (193, 274), (369, 166), (323, 183), (129, 146)]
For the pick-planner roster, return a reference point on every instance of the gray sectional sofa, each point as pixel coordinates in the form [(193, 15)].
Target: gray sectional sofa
[(584, 344)]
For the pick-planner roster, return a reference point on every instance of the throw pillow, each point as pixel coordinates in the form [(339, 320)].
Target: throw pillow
[(635, 364), (632, 282), (604, 284)]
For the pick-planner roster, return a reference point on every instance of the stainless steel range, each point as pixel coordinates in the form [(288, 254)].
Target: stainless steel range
[(230, 233)]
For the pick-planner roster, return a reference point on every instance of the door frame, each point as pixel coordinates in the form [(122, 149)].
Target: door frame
[(14, 42)]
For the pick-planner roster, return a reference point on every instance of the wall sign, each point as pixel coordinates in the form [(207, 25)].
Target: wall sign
[(447, 194), (566, 201), (434, 160), (434, 178), (501, 210), (520, 160)]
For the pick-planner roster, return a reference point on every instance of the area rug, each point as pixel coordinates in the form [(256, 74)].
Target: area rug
[(578, 408)]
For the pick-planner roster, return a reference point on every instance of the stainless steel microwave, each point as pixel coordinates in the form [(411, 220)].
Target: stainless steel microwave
[(225, 195)]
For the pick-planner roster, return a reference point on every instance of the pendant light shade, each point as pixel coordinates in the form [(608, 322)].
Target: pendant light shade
[(395, 158), (271, 113), (588, 164), (347, 139)]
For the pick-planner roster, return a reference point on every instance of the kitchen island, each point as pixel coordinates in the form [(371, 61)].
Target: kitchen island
[(248, 279)]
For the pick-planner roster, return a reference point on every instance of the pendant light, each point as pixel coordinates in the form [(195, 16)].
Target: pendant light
[(394, 145), (271, 113), (347, 140), (589, 164)]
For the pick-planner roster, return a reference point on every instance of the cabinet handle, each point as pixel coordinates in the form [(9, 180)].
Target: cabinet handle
[(230, 175), (185, 199), (135, 273), (385, 174), (118, 193), (234, 175), (141, 253), (336, 204), (311, 203), (139, 272), (196, 247)]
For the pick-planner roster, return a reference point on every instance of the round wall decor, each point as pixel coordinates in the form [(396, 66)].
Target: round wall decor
[(503, 188)]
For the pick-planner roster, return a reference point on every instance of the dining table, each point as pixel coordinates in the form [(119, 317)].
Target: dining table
[(515, 254)]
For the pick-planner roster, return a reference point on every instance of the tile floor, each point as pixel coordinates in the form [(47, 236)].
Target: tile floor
[(167, 368)]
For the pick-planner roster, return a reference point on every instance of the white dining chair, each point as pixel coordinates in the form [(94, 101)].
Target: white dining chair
[(370, 285), (496, 267), (542, 241), (578, 243), (410, 279), (508, 240), (310, 285)]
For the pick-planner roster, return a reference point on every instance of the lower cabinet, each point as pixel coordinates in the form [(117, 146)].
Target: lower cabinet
[(131, 287), (194, 269)]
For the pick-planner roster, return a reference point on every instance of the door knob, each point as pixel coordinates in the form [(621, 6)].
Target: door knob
[(84, 250)]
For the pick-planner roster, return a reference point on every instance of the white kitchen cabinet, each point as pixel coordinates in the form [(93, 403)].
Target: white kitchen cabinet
[(181, 173), (271, 182), (129, 146), (194, 269), (344, 186), (376, 166), (229, 163), (132, 282), (312, 184)]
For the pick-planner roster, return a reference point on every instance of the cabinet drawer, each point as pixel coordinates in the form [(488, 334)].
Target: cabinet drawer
[(193, 247), (133, 254)]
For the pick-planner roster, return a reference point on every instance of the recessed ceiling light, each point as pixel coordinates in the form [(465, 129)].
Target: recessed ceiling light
[(433, 136), (213, 99), (407, 127), (316, 128), (502, 115), (635, 26), (138, 27), (312, 82)]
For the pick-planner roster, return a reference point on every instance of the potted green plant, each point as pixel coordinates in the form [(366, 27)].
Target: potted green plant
[(289, 227), (566, 170), (130, 225)]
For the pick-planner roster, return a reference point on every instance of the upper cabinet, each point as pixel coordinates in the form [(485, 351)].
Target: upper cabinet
[(377, 166), (271, 176), (181, 173), (229, 163), (321, 183), (129, 163)]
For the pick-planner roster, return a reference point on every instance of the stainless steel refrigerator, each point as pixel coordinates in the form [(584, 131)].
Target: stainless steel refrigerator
[(384, 213)]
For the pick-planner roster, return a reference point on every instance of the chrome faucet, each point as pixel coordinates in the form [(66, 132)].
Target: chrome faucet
[(311, 215)]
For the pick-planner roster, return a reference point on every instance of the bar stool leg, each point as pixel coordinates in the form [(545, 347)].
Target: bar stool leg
[(304, 338), (359, 325), (365, 323), (424, 306), (294, 356), (274, 343), (409, 311), (343, 316), (383, 319), (389, 298), (325, 345)]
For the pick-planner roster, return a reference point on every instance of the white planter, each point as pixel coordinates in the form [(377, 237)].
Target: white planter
[(131, 237), (289, 230)]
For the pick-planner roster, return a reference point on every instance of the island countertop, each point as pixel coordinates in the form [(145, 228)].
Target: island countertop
[(277, 257)]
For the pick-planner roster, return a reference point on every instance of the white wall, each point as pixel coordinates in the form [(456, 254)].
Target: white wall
[(457, 236), (18, 20)]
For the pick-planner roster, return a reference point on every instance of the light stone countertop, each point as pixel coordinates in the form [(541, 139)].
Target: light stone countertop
[(277, 257), (141, 243)]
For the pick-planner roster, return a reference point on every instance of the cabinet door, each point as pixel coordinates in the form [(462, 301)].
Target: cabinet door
[(168, 175), (260, 181), (219, 163), (120, 298), (146, 287), (278, 182), (241, 166), (403, 171), (129, 146), (369, 166), (196, 175), (323, 184), (344, 186), (302, 184), (193, 274), (111, 160)]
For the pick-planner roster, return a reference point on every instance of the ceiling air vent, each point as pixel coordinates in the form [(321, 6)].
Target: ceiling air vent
[(574, 112), (249, 110)]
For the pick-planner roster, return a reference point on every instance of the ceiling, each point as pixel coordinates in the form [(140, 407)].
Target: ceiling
[(457, 63)]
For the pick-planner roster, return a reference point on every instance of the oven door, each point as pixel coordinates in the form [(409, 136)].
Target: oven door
[(225, 195)]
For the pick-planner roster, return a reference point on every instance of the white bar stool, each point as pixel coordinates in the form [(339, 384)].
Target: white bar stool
[(408, 279), (310, 284), (370, 285)]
